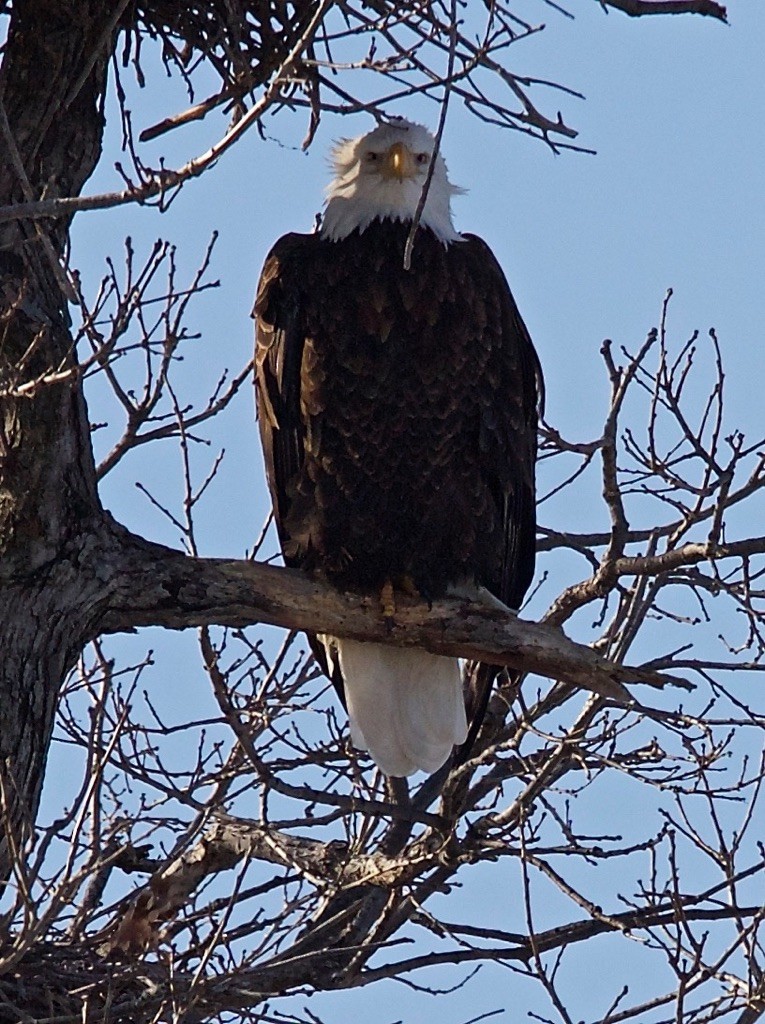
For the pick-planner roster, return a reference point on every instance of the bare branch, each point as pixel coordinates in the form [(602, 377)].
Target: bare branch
[(214, 591), (643, 8)]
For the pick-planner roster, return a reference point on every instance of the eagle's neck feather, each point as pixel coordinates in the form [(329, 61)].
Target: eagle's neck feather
[(348, 210)]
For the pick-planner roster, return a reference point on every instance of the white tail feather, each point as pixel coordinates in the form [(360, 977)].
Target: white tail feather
[(406, 707)]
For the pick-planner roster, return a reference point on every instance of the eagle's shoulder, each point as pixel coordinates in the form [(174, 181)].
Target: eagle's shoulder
[(294, 244), (281, 271), (479, 253), (474, 263)]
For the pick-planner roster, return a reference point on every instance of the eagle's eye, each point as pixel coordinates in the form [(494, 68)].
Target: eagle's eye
[(371, 157), (423, 158)]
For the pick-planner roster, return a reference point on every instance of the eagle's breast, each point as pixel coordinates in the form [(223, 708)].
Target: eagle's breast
[(396, 379)]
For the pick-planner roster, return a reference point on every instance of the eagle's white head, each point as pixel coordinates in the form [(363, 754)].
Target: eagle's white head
[(382, 174)]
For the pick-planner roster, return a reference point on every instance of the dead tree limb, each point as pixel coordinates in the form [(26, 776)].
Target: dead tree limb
[(178, 592)]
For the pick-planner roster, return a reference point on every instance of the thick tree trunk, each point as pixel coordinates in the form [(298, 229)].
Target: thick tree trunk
[(51, 123)]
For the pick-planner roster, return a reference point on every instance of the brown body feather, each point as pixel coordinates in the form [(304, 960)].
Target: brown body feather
[(398, 414)]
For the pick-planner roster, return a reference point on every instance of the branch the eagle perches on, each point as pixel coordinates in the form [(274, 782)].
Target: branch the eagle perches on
[(177, 592)]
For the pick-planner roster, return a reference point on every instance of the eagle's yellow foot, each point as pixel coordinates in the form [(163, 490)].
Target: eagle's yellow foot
[(388, 604), (409, 587), (388, 597)]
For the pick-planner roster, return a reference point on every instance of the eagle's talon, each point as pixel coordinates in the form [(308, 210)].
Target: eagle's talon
[(410, 588), (388, 604)]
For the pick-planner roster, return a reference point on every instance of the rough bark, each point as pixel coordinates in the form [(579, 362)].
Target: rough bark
[(51, 124)]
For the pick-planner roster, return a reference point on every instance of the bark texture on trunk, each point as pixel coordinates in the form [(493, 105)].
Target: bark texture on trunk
[(52, 86)]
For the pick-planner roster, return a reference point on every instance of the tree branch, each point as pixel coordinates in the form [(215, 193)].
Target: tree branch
[(227, 843), (155, 586), (161, 182), (641, 8)]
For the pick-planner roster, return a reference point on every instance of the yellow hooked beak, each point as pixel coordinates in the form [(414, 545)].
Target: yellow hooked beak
[(399, 162)]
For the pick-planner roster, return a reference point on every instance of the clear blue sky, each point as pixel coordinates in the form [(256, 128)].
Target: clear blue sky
[(590, 244)]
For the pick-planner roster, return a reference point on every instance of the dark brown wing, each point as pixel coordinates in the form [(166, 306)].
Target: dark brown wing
[(508, 435), (279, 343), (508, 448)]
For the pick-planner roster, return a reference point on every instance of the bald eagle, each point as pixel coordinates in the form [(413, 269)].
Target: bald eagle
[(398, 417)]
